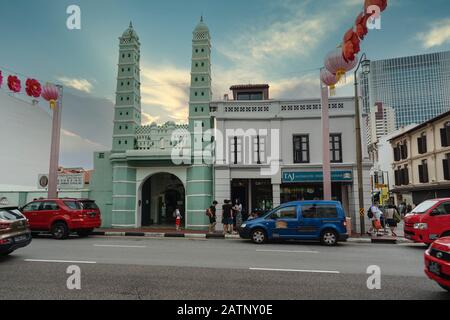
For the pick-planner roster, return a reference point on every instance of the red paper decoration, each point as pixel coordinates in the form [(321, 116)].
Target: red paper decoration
[(33, 88), (14, 84), (1, 79), (361, 26), (350, 46), (382, 4)]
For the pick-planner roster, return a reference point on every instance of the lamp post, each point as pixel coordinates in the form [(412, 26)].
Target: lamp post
[(365, 64)]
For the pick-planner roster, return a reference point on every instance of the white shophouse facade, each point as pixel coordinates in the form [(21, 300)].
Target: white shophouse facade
[(288, 133)]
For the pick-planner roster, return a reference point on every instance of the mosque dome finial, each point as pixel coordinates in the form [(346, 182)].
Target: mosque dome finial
[(201, 26), (130, 32)]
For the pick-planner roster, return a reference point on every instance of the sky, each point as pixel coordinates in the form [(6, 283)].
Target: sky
[(279, 42)]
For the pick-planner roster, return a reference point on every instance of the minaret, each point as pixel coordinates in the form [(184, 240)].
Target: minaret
[(199, 176), (127, 113)]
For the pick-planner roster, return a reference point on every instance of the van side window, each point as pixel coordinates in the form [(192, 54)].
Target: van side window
[(34, 206), (444, 208), (285, 213), (319, 211), (50, 205)]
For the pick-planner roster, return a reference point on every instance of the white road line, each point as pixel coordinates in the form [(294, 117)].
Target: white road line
[(287, 251), (61, 261), (117, 246), (294, 270)]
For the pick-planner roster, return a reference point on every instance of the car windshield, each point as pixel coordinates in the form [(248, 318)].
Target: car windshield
[(10, 214), (424, 207), (88, 205)]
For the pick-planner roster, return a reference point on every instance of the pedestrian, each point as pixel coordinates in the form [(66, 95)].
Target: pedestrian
[(393, 218), (227, 216), (211, 213), (237, 214), (408, 208), (402, 208), (178, 217), (375, 217)]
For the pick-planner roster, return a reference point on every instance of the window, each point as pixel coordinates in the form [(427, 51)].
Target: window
[(404, 150), (319, 211), (445, 135), (301, 149), (423, 172), (422, 144), (401, 176), (250, 96), (74, 205), (397, 153), (259, 149), (49, 206), (236, 150), (34, 206), (285, 213), (446, 166), (336, 148), (203, 64), (101, 156), (444, 209)]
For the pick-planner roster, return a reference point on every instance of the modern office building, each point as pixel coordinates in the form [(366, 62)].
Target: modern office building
[(379, 122), (416, 87)]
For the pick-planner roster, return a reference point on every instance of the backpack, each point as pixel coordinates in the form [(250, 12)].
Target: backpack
[(370, 213)]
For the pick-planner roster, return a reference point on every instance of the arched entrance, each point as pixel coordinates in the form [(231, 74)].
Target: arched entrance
[(161, 194)]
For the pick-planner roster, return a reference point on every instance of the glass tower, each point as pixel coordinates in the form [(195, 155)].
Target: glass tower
[(417, 87)]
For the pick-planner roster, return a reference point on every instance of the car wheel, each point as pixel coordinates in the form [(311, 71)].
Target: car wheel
[(445, 287), (259, 236), (84, 233), (60, 231), (329, 238)]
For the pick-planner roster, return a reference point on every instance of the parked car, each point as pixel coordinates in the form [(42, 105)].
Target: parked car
[(428, 221), (299, 220), (14, 230), (437, 262), (63, 216)]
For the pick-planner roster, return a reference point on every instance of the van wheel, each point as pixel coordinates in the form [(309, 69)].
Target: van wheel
[(259, 236), (84, 233), (60, 231), (329, 238), (445, 287)]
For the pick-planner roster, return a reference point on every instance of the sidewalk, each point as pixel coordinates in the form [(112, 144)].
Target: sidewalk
[(192, 234)]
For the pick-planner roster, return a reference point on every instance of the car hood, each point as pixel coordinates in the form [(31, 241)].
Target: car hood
[(414, 218), (442, 244)]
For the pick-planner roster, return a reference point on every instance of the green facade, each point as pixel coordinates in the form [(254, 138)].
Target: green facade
[(136, 148)]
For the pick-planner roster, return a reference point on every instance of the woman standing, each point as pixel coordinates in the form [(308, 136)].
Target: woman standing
[(392, 218)]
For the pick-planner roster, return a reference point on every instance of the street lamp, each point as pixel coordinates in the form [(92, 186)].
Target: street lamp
[(365, 64)]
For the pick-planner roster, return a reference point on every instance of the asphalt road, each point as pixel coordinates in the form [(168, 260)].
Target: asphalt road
[(118, 268)]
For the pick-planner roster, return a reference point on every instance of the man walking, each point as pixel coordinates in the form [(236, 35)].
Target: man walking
[(227, 216), (211, 213)]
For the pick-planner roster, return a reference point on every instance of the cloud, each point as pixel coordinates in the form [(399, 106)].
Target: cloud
[(437, 35), (78, 84), (165, 88), (148, 118)]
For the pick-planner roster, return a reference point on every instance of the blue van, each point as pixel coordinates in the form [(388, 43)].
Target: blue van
[(299, 220)]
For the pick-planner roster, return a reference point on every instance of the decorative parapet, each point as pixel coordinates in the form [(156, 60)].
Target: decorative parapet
[(159, 138)]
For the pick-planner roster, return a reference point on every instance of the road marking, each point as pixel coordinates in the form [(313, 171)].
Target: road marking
[(294, 270), (61, 261), (287, 251), (117, 246)]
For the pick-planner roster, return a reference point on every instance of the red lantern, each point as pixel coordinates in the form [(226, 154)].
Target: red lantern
[(382, 4), (14, 84), (337, 65), (33, 88), (51, 94), (351, 36), (361, 26)]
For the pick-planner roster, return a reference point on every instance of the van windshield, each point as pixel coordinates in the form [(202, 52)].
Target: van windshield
[(424, 207)]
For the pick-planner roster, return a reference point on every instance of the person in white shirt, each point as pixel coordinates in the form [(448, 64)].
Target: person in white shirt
[(376, 216)]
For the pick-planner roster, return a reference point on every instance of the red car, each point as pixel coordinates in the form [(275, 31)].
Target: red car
[(63, 216), (429, 221), (437, 262)]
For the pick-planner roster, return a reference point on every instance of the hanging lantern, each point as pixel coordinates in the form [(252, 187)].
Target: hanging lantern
[(382, 4), (350, 45), (329, 80), (1, 79), (337, 65), (14, 84), (33, 88), (361, 25), (51, 94)]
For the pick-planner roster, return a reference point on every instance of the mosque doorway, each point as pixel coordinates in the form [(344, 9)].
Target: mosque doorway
[(162, 194)]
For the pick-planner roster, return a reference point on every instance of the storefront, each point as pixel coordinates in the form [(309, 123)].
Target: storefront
[(308, 185), (255, 195)]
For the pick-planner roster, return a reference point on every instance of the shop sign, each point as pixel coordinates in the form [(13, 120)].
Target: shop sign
[(72, 181), (316, 176)]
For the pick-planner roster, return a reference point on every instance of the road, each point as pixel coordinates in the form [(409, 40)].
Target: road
[(141, 268)]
